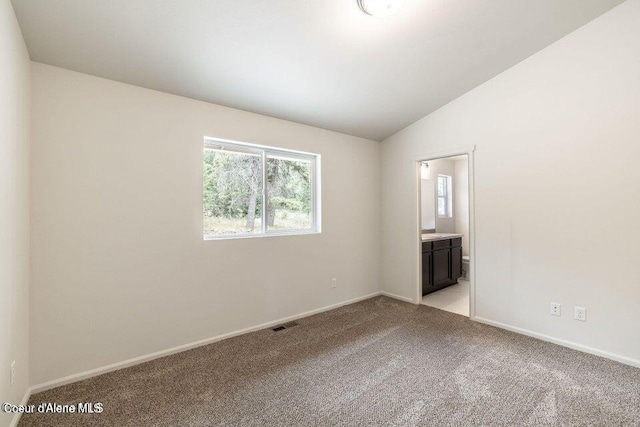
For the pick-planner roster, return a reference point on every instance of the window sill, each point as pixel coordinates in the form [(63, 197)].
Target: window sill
[(259, 236)]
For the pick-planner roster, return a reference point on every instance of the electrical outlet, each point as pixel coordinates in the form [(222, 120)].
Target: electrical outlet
[(580, 313), (334, 282), (12, 375), (555, 309)]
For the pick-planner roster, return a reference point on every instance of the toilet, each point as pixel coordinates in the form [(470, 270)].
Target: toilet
[(465, 267)]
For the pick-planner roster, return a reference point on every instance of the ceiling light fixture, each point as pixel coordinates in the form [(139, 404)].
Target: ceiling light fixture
[(380, 8)]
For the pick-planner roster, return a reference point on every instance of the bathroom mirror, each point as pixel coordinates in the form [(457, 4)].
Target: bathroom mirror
[(428, 204)]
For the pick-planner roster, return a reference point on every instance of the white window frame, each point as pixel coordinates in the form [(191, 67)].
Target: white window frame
[(448, 199), (266, 151)]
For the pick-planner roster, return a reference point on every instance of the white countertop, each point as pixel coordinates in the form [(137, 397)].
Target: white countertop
[(430, 237)]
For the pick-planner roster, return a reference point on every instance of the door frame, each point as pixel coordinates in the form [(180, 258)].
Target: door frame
[(469, 152)]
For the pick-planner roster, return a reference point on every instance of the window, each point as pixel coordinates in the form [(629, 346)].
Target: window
[(445, 201), (251, 190)]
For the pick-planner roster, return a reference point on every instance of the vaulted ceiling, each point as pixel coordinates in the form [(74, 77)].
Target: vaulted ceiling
[(318, 62)]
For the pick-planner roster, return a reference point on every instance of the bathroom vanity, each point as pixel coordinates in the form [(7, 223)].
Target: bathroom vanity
[(441, 261)]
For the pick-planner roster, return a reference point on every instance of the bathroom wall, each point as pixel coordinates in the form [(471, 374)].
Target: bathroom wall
[(427, 197), (440, 167)]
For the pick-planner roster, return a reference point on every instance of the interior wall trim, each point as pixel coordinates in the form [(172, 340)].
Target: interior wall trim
[(23, 402), (564, 343), (148, 357), (398, 297), (469, 151), (178, 349)]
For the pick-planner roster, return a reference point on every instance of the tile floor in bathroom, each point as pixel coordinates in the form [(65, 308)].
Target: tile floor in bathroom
[(454, 298)]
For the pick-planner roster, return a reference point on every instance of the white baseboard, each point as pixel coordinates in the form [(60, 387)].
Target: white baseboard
[(564, 343), (398, 297), (25, 399), (162, 353), (141, 359)]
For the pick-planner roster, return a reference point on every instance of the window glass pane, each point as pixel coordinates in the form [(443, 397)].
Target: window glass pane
[(232, 199), (442, 186), (289, 195), (442, 210)]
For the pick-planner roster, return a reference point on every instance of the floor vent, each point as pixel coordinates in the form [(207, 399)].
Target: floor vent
[(285, 326)]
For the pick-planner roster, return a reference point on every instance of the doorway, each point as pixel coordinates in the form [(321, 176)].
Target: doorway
[(445, 233)]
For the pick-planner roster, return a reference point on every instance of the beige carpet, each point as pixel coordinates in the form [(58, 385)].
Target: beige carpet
[(376, 363)]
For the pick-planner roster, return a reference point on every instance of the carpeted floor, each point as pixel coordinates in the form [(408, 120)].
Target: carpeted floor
[(379, 362)]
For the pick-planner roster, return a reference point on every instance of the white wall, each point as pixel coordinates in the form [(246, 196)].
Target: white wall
[(461, 200), (557, 186), (120, 268), (14, 208)]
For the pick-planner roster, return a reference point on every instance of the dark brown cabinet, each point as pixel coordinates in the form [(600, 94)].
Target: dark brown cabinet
[(426, 273), (441, 264), (456, 262), (440, 273)]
